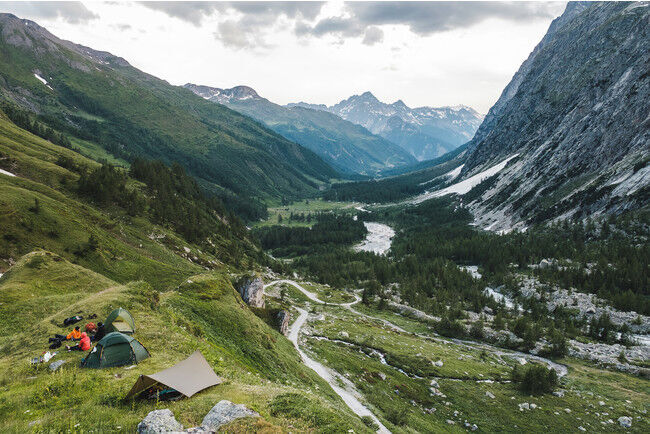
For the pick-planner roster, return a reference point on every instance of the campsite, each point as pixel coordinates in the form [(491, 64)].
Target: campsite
[(255, 364)]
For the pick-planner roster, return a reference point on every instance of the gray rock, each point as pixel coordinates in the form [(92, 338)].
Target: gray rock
[(283, 321), (225, 412), (251, 290), (159, 421), (489, 395), (625, 421)]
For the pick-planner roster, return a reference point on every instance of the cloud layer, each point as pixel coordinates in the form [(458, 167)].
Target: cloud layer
[(71, 12)]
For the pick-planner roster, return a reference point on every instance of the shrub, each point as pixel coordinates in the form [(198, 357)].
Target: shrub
[(535, 379)]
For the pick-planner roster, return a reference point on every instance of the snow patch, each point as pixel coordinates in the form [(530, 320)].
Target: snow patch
[(466, 185), (4, 172), (42, 80)]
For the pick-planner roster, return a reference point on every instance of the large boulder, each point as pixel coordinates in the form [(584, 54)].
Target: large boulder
[(251, 289), (283, 321), (225, 412), (159, 421), (625, 421)]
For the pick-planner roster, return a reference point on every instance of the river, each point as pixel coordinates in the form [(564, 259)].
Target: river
[(378, 239)]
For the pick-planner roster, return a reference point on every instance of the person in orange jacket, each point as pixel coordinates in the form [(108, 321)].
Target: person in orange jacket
[(83, 345), (75, 334)]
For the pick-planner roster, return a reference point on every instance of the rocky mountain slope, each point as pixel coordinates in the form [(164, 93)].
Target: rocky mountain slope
[(425, 132), (107, 105), (348, 147), (576, 117)]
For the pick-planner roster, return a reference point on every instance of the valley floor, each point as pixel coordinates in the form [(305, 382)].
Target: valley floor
[(399, 372)]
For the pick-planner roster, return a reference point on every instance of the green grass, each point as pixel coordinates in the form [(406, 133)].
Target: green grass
[(404, 402), (308, 206), (260, 367)]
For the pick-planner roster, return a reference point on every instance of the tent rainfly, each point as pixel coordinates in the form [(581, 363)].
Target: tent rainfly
[(120, 320), (115, 349), (187, 377)]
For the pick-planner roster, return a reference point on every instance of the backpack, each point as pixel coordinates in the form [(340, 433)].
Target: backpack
[(72, 320)]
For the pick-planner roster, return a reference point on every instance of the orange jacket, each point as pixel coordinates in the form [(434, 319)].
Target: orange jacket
[(74, 334), (84, 343)]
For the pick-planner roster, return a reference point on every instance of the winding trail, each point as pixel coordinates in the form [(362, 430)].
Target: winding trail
[(349, 393)]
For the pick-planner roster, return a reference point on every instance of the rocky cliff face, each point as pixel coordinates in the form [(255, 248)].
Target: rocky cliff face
[(576, 114), (425, 132), (251, 290)]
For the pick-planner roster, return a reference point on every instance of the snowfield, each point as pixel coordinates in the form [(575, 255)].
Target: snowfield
[(466, 185)]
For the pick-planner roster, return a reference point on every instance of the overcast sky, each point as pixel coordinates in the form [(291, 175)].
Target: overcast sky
[(435, 54)]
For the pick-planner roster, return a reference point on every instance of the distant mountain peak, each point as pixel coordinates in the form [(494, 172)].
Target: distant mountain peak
[(223, 96)]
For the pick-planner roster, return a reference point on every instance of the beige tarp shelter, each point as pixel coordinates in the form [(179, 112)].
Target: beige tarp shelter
[(187, 377)]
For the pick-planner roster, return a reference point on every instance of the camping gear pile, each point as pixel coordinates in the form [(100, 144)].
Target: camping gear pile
[(115, 346)]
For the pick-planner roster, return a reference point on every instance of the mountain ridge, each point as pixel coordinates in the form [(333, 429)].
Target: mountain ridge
[(425, 132), (576, 115), (349, 147), (100, 100)]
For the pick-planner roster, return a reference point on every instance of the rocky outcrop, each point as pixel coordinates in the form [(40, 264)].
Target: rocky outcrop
[(283, 319), (225, 412), (251, 289), (159, 421), (576, 116)]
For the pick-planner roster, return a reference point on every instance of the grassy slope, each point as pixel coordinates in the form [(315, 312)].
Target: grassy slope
[(259, 365), (63, 223), (142, 274), (145, 115)]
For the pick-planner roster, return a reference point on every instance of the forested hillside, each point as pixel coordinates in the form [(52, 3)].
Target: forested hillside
[(99, 100)]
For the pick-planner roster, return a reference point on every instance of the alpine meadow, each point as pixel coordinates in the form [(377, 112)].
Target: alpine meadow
[(324, 217)]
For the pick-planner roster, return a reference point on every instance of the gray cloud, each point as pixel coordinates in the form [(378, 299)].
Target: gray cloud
[(195, 12), (248, 30), (424, 18), (373, 36), (72, 12)]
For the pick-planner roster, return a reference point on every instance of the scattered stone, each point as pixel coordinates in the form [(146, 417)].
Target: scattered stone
[(533, 406), (522, 361), (568, 410), (451, 422), (345, 335), (439, 363), (581, 428), (559, 393), (489, 395), (625, 421), (159, 421), (601, 403), (434, 383), (225, 412), (382, 375), (524, 406)]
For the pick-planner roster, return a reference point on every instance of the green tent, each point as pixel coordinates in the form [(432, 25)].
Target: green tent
[(120, 320), (115, 349)]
